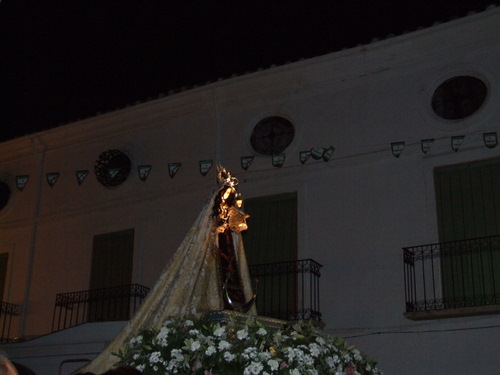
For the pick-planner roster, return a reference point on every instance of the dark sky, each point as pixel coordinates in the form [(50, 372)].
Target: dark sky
[(68, 59)]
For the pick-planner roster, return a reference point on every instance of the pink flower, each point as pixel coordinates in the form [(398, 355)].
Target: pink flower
[(350, 369), (208, 373), (283, 365), (196, 365)]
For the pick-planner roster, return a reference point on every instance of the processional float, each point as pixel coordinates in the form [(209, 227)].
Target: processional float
[(207, 275)]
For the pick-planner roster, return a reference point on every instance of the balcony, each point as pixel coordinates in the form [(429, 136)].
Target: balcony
[(288, 290), (97, 305), (7, 312), (448, 279)]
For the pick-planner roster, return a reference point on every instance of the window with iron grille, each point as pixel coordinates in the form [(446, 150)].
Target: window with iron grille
[(112, 260), (271, 238), (468, 207)]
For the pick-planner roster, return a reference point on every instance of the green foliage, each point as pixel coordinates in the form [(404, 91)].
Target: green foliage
[(198, 347)]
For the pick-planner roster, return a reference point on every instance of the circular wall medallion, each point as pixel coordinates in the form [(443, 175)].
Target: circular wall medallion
[(112, 168), (4, 194), (459, 97), (272, 135)]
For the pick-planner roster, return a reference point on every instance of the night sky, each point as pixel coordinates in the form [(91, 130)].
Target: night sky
[(67, 59)]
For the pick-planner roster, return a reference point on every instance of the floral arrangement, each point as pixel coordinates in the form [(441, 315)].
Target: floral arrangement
[(196, 346)]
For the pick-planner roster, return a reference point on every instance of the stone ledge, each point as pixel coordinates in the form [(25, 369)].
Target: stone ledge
[(453, 313)]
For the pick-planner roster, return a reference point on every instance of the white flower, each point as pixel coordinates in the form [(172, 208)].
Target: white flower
[(210, 350), (332, 361), (177, 355), (273, 364), (154, 357), (290, 353), (242, 334), (263, 356), (295, 353), (219, 331), (195, 346), (163, 333), (357, 355), (314, 349), (135, 341), (308, 360), (266, 351), (249, 353), (262, 332), (224, 345), (253, 369)]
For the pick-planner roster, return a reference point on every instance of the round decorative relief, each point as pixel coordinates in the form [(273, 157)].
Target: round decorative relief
[(112, 168), (459, 97), (4, 194), (272, 135)]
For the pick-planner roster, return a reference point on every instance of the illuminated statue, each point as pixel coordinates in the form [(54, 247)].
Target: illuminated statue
[(207, 273), (230, 219)]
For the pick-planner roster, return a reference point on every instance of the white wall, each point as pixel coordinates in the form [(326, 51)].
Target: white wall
[(356, 211)]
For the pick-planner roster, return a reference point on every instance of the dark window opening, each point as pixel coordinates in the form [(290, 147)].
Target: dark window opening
[(459, 97)]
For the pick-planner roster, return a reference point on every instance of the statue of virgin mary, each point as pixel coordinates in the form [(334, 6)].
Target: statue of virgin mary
[(207, 273)]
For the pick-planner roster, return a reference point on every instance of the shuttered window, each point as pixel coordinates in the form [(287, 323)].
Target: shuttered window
[(468, 200), (112, 260), (468, 207), (271, 238), (4, 258)]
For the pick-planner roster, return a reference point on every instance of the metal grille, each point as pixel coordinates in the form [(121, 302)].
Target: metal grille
[(451, 275), (7, 312), (288, 290), (106, 304)]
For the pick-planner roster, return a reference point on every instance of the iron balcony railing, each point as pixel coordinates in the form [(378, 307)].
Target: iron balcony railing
[(450, 275), (95, 305), (7, 312), (288, 290)]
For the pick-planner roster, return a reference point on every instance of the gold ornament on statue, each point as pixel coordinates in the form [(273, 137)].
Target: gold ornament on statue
[(228, 206), (230, 220), (237, 220)]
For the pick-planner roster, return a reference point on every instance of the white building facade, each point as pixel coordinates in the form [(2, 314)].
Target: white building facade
[(399, 125)]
